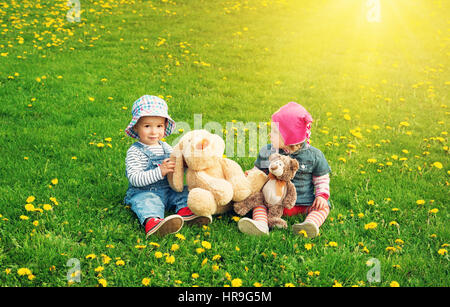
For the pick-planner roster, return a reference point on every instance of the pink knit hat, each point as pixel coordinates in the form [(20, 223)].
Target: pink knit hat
[(294, 123)]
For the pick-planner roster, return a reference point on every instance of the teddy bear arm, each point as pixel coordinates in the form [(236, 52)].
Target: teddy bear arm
[(220, 188), (254, 200), (176, 179), (291, 196), (234, 174)]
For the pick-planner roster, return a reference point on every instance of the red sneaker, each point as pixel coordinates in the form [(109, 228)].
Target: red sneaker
[(191, 218), (162, 227)]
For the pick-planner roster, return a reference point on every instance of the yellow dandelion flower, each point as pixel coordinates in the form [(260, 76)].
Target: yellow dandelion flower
[(303, 232), (158, 255), (204, 261), (30, 199), (195, 275), (103, 282), (91, 256), (106, 259), (394, 284), (442, 251), (434, 210), (23, 271), (437, 165), (47, 207), (120, 262), (237, 282), (55, 181), (371, 225), (146, 281), (180, 236), (99, 269), (308, 246), (174, 247), (29, 207), (390, 249), (399, 241), (206, 244), (170, 259), (24, 217)]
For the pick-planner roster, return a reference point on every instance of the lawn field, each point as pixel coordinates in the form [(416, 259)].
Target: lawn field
[(379, 94)]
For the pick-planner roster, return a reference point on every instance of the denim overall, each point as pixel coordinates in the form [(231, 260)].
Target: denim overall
[(152, 200), (311, 162)]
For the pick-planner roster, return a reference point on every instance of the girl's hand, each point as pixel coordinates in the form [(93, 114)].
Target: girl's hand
[(167, 166), (319, 203)]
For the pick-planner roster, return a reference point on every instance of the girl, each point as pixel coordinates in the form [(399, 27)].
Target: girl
[(291, 130), (147, 164)]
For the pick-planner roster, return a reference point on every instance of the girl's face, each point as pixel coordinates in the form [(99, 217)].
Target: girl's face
[(275, 137), (150, 129)]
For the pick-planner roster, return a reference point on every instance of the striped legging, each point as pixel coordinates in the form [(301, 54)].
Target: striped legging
[(314, 215)]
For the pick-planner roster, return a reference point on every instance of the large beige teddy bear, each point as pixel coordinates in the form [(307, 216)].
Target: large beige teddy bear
[(213, 181)]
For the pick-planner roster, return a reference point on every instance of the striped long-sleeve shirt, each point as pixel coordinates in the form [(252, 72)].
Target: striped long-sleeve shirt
[(322, 186), (136, 163)]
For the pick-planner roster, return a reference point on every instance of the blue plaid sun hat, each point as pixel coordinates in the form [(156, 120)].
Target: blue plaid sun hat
[(149, 106)]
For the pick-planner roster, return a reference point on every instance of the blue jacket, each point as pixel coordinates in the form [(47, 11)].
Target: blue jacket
[(311, 161)]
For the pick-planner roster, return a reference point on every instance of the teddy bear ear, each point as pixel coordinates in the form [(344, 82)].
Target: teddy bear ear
[(217, 143), (274, 156)]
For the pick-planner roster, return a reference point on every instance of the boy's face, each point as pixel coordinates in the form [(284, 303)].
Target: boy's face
[(150, 129), (275, 137)]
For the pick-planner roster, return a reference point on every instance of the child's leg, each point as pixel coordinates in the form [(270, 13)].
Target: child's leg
[(147, 205), (260, 214), (317, 216), (149, 209), (256, 226), (179, 201), (314, 219)]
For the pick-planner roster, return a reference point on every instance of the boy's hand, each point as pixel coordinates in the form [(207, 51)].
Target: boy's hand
[(167, 166), (319, 203)]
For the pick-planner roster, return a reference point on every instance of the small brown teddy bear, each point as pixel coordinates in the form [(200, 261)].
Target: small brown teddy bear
[(278, 192)]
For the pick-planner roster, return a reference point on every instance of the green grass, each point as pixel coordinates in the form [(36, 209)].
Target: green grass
[(245, 60)]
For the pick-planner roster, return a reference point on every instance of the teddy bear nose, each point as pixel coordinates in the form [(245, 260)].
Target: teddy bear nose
[(274, 167), (202, 144)]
